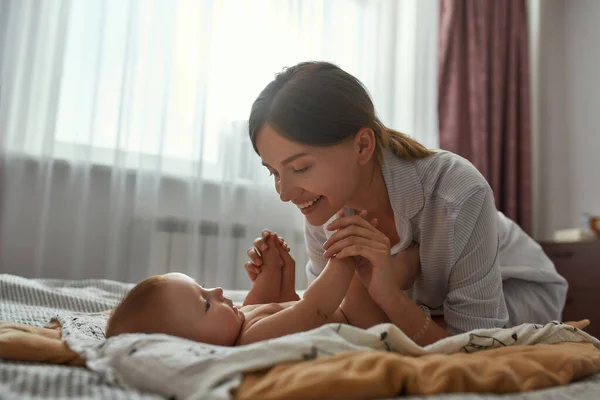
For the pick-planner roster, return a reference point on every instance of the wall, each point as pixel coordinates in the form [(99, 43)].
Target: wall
[(582, 43), (565, 46)]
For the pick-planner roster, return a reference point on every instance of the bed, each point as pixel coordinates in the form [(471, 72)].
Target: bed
[(36, 301)]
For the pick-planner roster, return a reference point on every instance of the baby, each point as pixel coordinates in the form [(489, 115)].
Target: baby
[(176, 305)]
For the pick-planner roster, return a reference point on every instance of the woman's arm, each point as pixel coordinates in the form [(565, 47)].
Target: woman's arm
[(475, 297), (315, 237), (415, 322), (355, 237), (360, 309)]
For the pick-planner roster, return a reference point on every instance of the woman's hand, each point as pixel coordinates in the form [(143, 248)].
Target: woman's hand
[(377, 269), (254, 266), (409, 261)]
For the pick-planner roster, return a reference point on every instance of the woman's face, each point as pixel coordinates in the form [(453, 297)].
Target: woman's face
[(318, 180)]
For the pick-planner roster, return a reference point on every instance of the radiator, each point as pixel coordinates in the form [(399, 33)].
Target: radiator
[(212, 253)]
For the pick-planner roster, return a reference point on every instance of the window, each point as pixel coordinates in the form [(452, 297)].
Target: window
[(167, 85)]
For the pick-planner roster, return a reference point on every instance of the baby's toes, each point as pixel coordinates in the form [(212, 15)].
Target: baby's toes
[(271, 255)]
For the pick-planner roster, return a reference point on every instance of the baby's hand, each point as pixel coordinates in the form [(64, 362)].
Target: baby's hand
[(258, 259)]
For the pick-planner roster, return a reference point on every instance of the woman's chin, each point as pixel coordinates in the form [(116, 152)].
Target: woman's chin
[(319, 219)]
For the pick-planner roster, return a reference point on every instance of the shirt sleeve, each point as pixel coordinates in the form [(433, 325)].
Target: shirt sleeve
[(314, 237), (475, 297)]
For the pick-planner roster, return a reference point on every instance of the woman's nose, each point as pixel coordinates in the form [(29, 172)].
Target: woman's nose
[(284, 191), (284, 196)]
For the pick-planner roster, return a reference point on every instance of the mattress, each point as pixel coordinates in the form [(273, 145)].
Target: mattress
[(36, 301)]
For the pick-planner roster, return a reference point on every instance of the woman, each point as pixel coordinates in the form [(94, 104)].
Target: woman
[(316, 131)]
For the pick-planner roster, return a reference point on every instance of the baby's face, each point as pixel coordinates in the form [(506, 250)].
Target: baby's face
[(206, 314)]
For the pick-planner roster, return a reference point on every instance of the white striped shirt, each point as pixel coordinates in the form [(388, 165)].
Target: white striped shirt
[(467, 247)]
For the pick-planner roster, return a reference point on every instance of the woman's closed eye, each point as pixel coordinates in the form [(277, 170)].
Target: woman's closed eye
[(301, 170)]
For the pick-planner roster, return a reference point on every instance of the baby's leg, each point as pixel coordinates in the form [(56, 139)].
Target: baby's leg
[(359, 309), (288, 276), (267, 285)]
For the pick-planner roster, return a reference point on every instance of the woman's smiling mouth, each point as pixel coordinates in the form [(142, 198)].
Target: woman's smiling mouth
[(309, 205)]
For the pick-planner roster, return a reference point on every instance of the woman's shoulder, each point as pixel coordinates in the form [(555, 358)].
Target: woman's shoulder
[(450, 176)]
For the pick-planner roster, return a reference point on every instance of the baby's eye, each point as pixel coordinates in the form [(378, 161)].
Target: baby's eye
[(273, 173), (207, 305)]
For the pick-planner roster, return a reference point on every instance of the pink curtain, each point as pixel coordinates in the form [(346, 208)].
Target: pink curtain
[(484, 95)]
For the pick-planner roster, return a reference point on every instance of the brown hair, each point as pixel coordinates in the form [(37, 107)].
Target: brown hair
[(138, 312), (319, 104)]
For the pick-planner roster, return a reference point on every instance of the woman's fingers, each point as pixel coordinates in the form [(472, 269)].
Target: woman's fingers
[(354, 230), (255, 257), (343, 222), (347, 241), (371, 254)]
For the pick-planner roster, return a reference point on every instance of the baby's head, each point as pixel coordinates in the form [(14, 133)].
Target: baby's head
[(174, 304)]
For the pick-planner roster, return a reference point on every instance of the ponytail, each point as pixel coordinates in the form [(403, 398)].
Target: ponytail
[(402, 145)]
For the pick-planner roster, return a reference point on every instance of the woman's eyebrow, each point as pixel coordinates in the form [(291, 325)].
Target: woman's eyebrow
[(289, 159)]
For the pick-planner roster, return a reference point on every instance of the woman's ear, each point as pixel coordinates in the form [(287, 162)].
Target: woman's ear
[(365, 145)]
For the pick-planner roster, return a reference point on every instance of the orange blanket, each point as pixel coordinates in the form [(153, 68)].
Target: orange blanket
[(374, 374), (19, 342), (367, 374)]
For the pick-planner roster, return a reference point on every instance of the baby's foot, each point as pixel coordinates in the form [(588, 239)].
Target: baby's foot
[(271, 256)]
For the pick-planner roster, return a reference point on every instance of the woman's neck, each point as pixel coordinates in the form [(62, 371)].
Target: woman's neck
[(372, 194)]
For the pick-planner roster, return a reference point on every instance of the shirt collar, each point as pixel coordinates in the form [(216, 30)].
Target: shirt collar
[(403, 183)]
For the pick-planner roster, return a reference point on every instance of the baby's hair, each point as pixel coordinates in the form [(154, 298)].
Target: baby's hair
[(132, 315)]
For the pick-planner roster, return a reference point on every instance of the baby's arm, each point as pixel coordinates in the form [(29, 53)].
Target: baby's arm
[(318, 306), (267, 285)]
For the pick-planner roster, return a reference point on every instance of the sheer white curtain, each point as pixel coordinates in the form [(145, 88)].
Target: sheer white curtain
[(124, 124)]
